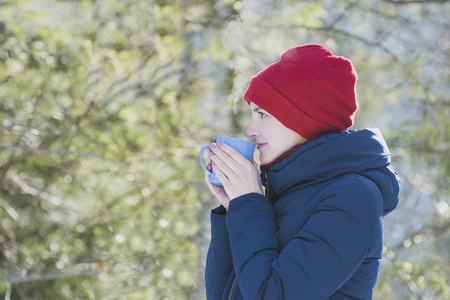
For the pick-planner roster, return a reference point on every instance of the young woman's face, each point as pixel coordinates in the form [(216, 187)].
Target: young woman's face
[(272, 137)]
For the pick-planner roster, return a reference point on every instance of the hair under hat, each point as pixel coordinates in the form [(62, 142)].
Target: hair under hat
[(309, 90)]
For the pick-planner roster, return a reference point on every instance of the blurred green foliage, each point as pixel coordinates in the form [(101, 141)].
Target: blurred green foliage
[(105, 104)]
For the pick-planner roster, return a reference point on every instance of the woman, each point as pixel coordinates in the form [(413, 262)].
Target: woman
[(317, 231)]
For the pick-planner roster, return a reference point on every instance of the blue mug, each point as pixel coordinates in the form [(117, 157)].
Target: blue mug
[(246, 148)]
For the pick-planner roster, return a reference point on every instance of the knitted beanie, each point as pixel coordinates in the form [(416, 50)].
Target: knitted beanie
[(309, 90)]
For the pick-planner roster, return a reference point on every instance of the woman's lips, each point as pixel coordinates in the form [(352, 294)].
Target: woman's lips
[(261, 145)]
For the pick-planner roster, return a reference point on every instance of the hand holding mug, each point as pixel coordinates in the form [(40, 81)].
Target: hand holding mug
[(233, 168)]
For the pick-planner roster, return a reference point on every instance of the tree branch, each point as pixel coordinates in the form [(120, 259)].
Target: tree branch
[(27, 189), (377, 44), (89, 154), (369, 42), (415, 1), (343, 13), (9, 209), (57, 276), (436, 102)]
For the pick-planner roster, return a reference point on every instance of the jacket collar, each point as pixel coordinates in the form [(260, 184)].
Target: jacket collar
[(327, 157)]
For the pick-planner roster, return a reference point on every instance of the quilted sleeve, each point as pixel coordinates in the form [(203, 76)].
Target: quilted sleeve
[(218, 261)]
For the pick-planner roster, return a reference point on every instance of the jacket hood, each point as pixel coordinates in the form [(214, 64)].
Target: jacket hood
[(363, 152)]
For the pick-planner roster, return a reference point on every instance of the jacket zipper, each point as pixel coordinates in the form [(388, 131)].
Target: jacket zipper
[(266, 191), (279, 227), (232, 288)]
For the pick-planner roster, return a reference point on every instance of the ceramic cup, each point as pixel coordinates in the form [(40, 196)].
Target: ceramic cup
[(246, 148)]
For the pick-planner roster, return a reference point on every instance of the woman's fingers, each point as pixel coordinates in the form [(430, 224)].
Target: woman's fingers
[(217, 191), (233, 153), (208, 160), (237, 182), (221, 156), (255, 163), (221, 168), (228, 159)]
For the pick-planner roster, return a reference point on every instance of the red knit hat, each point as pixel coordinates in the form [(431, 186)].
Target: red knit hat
[(309, 90)]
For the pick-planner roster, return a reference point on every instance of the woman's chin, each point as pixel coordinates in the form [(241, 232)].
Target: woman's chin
[(263, 160)]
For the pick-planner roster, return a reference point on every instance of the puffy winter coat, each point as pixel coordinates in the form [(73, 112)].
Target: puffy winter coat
[(318, 234)]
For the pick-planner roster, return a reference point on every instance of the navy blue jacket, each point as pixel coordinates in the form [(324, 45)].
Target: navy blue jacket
[(318, 234)]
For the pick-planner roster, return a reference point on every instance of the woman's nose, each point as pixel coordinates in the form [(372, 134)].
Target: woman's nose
[(251, 131)]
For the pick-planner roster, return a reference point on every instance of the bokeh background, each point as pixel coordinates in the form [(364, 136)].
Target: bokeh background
[(104, 105)]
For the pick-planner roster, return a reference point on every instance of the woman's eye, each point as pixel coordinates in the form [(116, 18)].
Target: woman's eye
[(261, 114)]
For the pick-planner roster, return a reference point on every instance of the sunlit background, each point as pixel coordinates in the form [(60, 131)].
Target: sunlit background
[(104, 105)]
